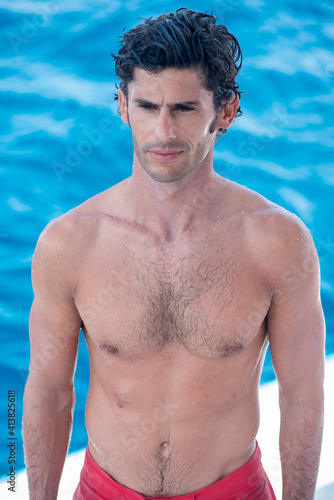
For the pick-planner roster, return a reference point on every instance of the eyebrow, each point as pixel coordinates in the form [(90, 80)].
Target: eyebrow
[(194, 104)]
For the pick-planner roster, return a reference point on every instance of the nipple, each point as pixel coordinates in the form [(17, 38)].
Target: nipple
[(109, 348)]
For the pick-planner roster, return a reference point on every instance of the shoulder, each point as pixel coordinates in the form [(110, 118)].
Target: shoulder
[(278, 229), (278, 240), (66, 242), (267, 221), (77, 228), (280, 233), (57, 254), (65, 232)]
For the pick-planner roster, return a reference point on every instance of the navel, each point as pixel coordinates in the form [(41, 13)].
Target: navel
[(164, 449), (121, 402)]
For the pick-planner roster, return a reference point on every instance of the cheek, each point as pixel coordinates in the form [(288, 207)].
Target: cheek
[(141, 126), (204, 126), (204, 142), (202, 135)]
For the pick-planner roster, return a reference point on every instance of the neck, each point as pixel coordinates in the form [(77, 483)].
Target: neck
[(173, 208)]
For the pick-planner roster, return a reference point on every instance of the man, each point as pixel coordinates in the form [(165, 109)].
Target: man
[(179, 279)]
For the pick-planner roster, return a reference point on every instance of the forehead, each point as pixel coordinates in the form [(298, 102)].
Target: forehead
[(172, 83)]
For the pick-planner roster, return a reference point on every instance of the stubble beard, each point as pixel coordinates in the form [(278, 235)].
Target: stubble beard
[(166, 173), (162, 173)]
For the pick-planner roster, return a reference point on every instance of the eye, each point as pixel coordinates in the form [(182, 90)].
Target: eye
[(183, 108), (147, 105)]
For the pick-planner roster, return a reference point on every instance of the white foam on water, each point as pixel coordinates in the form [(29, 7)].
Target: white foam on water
[(51, 82), (304, 207)]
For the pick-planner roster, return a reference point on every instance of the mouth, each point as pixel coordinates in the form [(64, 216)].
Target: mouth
[(165, 156)]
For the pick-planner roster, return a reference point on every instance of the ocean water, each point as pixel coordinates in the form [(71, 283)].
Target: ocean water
[(57, 86)]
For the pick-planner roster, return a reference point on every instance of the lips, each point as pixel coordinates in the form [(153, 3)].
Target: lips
[(165, 156)]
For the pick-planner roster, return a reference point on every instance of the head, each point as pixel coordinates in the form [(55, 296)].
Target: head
[(183, 40)]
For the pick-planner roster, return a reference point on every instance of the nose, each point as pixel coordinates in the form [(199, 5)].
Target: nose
[(165, 128)]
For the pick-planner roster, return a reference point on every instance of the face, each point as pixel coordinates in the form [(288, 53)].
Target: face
[(173, 121)]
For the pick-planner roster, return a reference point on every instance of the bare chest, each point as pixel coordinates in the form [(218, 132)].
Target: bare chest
[(137, 302)]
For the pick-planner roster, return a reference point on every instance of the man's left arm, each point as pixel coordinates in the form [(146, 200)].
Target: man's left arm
[(296, 330)]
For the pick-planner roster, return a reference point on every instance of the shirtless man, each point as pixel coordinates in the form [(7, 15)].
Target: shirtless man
[(179, 280)]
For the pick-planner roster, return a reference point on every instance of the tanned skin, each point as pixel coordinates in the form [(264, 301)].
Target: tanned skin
[(179, 280)]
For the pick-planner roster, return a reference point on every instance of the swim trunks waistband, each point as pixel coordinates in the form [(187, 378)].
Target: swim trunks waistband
[(250, 482)]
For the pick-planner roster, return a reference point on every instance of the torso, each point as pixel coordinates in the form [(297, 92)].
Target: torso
[(176, 334)]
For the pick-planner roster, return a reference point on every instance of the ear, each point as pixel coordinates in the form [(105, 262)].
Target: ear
[(227, 114), (123, 106)]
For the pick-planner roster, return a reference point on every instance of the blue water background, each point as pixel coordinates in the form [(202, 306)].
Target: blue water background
[(57, 84)]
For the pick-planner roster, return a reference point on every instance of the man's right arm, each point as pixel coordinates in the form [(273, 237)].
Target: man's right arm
[(49, 393)]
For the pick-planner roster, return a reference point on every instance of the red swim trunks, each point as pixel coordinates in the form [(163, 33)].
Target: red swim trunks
[(250, 482)]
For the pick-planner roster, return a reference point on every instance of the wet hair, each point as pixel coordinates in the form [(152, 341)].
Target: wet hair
[(183, 39)]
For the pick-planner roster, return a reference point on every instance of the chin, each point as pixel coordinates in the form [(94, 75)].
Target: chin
[(167, 174), (167, 177)]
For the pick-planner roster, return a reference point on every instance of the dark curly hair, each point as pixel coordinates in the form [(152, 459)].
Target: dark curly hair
[(183, 39)]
